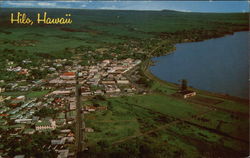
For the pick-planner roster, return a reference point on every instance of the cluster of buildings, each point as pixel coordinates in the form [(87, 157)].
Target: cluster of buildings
[(11, 67), (105, 78), (21, 121), (18, 115)]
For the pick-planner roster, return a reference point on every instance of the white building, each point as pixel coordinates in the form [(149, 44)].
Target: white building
[(45, 125)]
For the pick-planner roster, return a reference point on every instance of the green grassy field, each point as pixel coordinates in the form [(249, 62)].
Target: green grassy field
[(167, 122), (29, 94)]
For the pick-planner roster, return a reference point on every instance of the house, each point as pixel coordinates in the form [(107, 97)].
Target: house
[(71, 134), (23, 88), (99, 92), (69, 139), (23, 72), (17, 101), (19, 156), (94, 70), (112, 90), (63, 153), (61, 92), (65, 131), (68, 75), (58, 141), (1, 99), (85, 89), (137, 62), (52, 69), (90, 108), (86, 93), (45, 125), (106, 61), (71, 154), (189, 94), (2, 90), (122, 81), (29, 131), (93, 108), (20, 98), (56, 81), (129, 90), (71, 82), (71, 99), (23, 120), (72, 106), (102, 108), (89, 130), (10, 63), (108, 82)]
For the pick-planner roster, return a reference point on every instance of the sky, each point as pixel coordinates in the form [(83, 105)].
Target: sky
[(185, 6)]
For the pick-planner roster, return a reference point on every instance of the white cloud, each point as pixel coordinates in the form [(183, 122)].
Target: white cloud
[(48, 4), (84, 5), (183, 10), (113, 7), (20, 3)]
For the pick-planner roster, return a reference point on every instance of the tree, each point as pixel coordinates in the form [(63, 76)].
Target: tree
[(46, 112), (103, 144)]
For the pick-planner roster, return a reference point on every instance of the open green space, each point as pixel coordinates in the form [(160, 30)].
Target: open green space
[(172, 125), (28, 94)]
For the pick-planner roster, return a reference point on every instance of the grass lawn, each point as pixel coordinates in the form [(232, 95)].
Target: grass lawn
[(37, 94), (165, 104), (29, 94)]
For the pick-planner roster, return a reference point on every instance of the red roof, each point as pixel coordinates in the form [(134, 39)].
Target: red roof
[(90, 107), (58, 100), (23, 72), (68, 74), (4, 114)]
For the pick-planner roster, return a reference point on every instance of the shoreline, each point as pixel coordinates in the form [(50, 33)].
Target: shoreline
[(227, 34), (149, 75), (149, 62)]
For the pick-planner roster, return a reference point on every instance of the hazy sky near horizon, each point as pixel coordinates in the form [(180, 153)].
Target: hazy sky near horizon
[(186, 6)]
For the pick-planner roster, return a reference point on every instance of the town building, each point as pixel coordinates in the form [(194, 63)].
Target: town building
[(45, 125)]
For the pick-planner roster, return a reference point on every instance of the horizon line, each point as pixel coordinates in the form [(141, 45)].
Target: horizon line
[(116, 9)]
